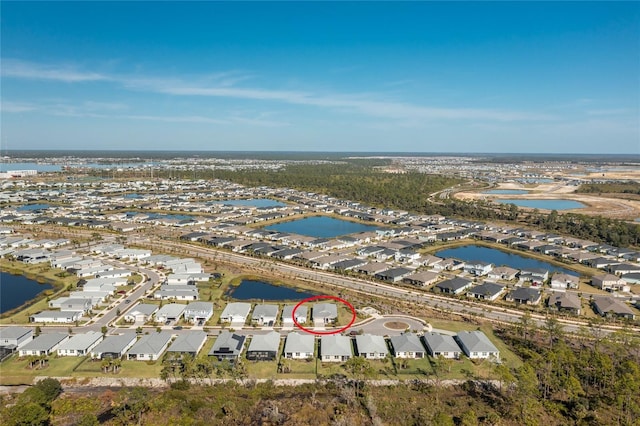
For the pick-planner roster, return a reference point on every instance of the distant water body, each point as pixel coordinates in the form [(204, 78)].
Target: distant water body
[(16, 290), (321, 227), (545, 204), (258, 290)]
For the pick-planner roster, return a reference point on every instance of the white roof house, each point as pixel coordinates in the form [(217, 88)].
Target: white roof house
[(63, 317), (141, 312), (299, 346), (80, 344), (265, 314), (441, 345), (44, 344), (407, 345), (325, 312)]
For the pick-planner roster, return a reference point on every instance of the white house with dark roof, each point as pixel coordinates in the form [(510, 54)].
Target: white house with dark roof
[(227, 346), (441, 345), (44, 344), (80, 344), (150, 347), (299, 346), (611, 307), (454, 285), (371, 346), (524, 296), (335, 348), (486, 291), (407, 345), (476, 345)]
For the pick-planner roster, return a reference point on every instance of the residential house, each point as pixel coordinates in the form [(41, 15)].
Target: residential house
[(265, 315), (227, 346), (525, 296), (422, 278), (371, 346), (325, 313), (235, 312), (170, 312), (198, 312), (63, 317), (503, 273), (608, 282), (564, 301), (407, 345), (441, 345), (611, 307), (44, 344), (454, 285), (335, 348), (141, 313), (264, 346), (476, 345), (287, 315), (80, 344), (150, 347), (15, 337), (486, 291), (299, 346), (537, 276), (561, 281), (188, 343), (114, 347), (477, 267)]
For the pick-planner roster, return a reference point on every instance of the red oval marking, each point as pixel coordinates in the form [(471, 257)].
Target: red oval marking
[(321, 333)]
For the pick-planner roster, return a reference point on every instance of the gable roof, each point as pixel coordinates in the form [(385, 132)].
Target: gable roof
[(188, 342), (299, 343), (335, 344), (228, 340), (370, 343), (45, 341), (325, 310), (406, 342), (476, 341), (265, 342), (486, 289), (150, 343), (440, 343)]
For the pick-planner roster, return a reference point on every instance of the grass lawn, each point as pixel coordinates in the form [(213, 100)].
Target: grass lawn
[(299, 369), (261, 369), (330, 368), (416, 368), (454, 326), (146, 369), (204, 352), (15, 371)]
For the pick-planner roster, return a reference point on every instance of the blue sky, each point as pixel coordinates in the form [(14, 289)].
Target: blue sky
[(428, 77)]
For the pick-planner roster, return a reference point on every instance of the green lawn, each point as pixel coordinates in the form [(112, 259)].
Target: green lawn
[(15, 370), (299, 369), (145, 369), (415, 368), (261, 369)]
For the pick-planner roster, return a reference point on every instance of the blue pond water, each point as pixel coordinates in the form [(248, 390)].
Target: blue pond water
[(254, 202), (160, 216), (321, 227), (15, 290), (499, 258), (32, 207), (30, 166), (132, 196), (250, 289), (545, 204), (507, 191)]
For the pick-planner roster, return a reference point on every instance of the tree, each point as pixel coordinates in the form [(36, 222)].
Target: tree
[(29, 414)]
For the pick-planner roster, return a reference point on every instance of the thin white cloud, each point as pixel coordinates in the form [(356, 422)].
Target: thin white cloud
[(13, 68), (606, 112), (15, 107)]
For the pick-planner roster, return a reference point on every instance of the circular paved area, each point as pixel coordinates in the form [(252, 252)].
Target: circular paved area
[(377, 326)]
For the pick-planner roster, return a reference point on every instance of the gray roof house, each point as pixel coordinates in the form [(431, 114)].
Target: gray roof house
[(235, 312), (441, 345), (114, 346), (15, 337), (44, 344), (188, 343), (476, 344), (198, 311), (564, 281), (335, 348), (394, 274), (299, 346), (265, 314), (612, 307), (486, 291), (407, 345), (371, 346), (264, 346), (287, 315), (150, 347), (141, 312), (454, 285), (170, 312), (563, 301), (80, 344), (227, 346), (525, 296), (422, 278), (325, 312), (64, 317)]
